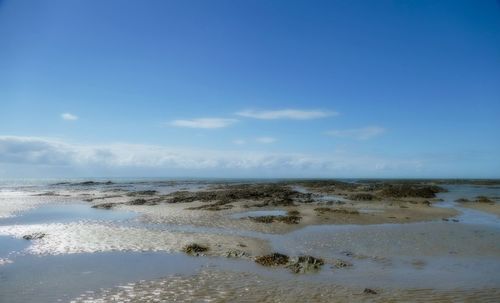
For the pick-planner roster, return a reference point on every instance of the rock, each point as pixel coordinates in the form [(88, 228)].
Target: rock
[(289, 219), (323, 210), (5, 261), (236, 253), (92, 183), (329, 186), (445, 219), (369, 291), (104, 205), (34, 236), (274, 259), (361, 197), (271, 219), (195, 249), (348, 253), (142, 193), (263, 219), (293, 212), (483, 199), (141, 201), (462, 200), (306, 264), (213, 207), (49, 193), (87, 183), (342, 264)]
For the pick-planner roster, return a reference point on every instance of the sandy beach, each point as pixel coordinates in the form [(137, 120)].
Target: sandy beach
[(366, 240)]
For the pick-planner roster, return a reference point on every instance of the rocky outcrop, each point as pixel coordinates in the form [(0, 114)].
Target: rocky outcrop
[(409, 191)]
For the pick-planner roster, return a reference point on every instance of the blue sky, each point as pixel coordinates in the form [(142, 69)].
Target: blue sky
[(250, 88)]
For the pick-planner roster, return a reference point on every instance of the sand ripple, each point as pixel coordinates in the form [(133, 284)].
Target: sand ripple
[(219, 286), (84, 237)]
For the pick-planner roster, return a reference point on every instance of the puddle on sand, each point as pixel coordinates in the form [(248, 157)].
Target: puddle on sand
[(48, 279), (259, 213), (65, 213)]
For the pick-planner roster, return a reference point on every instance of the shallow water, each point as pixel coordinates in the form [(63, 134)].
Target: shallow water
[(259, 213), (66, 213), (470, 216), (47, 279), (10, 246)]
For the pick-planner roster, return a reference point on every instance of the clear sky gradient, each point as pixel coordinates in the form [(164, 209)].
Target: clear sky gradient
[(250, 88)]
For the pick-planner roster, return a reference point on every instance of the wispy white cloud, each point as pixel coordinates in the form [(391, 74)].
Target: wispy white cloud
[(358, 133), (69, 117), (239, 141), (133, 158), (294, 114), (204, 123), (265, 140)]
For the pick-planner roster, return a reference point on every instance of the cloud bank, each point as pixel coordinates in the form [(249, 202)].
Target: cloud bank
[(204, 123), (293, 114), (132, 159)]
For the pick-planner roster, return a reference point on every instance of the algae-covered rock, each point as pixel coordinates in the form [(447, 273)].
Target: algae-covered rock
[(342, 263), (142, 193), (195, 249), (104, 205), (305, 264), (369, 291), (275, 259), (34, 236), (483, 199), (271, 219), (361, 197), (323, 210)]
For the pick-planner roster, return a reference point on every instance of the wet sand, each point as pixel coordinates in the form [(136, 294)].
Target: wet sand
[(215, 286)]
